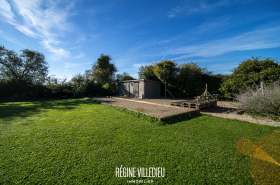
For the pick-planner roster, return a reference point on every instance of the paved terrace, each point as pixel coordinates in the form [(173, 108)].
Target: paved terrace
[(159, 108)]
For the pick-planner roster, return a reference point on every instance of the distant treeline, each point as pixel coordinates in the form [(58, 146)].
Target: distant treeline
[(26, 75)]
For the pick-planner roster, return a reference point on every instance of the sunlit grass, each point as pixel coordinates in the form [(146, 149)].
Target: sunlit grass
[(77, 141)]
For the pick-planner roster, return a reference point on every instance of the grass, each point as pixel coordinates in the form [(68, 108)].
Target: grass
[(256, 115), (77, 141)]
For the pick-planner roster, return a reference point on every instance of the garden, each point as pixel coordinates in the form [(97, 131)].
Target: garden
[(82, 141), (54, 132)]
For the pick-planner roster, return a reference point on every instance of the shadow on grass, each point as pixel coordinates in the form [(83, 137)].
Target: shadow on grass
[(8, 110), (180, 118)]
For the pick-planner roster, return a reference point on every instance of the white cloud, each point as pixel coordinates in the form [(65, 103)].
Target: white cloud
[(70, 65), (5, 10), (46, 24), (164, 41), (167, 53), (93, 37), (137, 66), (105, 6), (82, 38), (259, 39), (22, 29), (218, 24), (201, 7), (80, 55), (57, 53), (128, 24), (174, 11)]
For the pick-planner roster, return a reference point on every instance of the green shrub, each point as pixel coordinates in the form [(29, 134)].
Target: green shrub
[(111, 88), (147, 72), (191, 80), (248, 74), (91, 88)]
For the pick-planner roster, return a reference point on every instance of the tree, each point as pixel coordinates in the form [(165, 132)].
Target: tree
[(189, 79), (185, 80), (88, 76), (248, 74), (124, 76), (102, 70), (29, 67), (147, 73), (79, 79), (166, 71), (192, 66)]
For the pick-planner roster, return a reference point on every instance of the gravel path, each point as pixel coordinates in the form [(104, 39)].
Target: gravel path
[(230, 110), (161, 108)]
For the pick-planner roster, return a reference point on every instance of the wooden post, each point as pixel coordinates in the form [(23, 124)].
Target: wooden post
[(262, 86), (165, 91)]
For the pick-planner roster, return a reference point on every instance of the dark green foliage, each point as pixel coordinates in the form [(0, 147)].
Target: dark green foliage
[(192, 80), (184, 80), (22, 75), (79, 86), (8, 89), (29, 67), (25, 76), (189, 77), (248, 74), (74, 90), (124, 76), (92, 88), (166, 71), (58, 87), (111, 87)]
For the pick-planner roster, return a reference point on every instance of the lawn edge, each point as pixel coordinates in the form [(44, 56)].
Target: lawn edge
[(161, 121), (129, 112)]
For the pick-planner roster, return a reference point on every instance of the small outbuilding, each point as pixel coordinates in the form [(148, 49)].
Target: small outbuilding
[(139, 88)]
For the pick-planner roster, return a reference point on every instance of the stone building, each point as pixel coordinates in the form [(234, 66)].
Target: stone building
[(139, 88)]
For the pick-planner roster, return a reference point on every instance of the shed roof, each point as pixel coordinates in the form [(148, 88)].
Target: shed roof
[(141, 80)]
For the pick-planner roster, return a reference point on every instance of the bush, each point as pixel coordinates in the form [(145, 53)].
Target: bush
[(91, 88), (264, 102), (248, 73), (77, 90), (191, 80)]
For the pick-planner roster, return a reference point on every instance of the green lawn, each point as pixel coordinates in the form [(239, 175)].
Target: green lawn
[(77, 141)]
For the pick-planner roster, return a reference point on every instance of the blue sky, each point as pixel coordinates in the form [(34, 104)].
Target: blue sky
[(72, 34)]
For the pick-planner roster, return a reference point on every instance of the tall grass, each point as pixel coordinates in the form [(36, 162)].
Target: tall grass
[(263, 101)]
